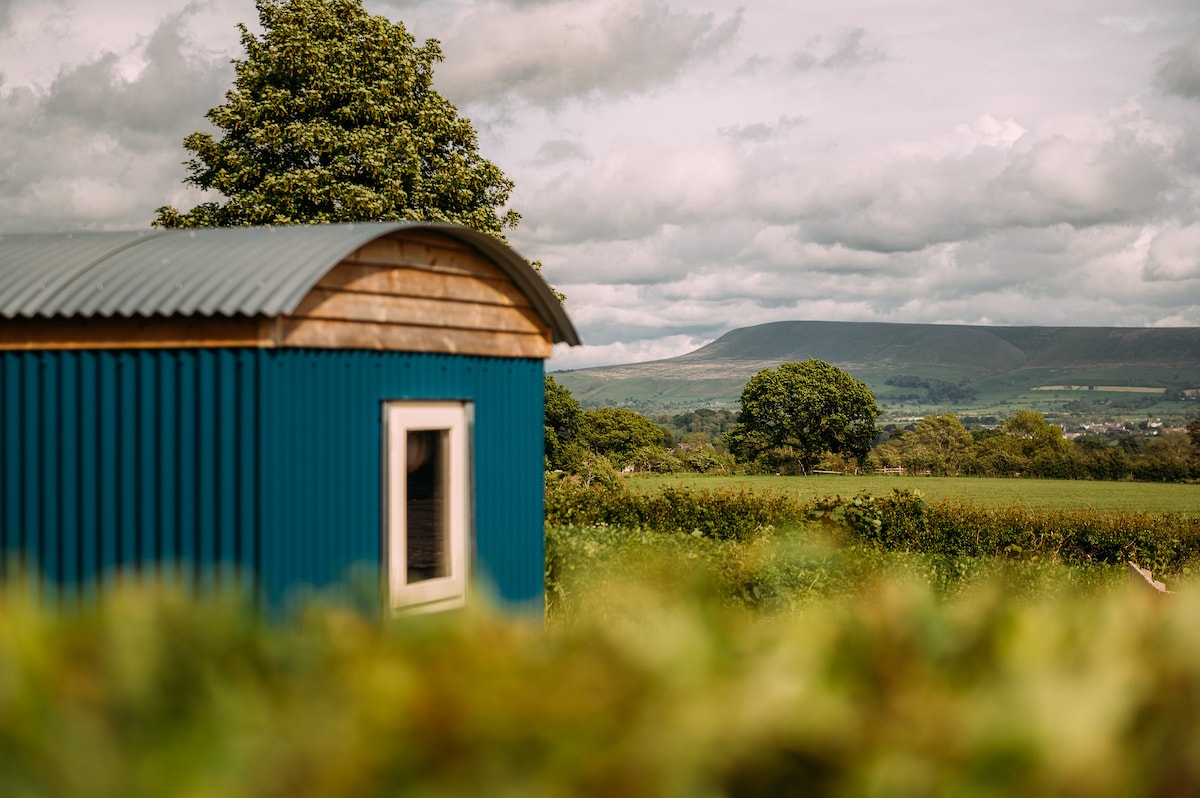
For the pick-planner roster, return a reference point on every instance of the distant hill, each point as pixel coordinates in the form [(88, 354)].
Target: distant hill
[(917, 368)]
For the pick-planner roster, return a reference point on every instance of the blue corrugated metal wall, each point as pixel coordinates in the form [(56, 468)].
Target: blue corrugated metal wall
[(136, 465), (198, 465)]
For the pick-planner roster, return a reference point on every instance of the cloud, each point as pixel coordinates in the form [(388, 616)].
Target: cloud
[(1174, 255), (556, 151), (579, 357), (172, 86), (548, 53), (1178, 70), (760, 132), (986, 176), (993, 221), (846, 50), (98, 149), (686, 168)]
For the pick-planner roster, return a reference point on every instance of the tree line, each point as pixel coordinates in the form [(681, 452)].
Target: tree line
[(809, 417)]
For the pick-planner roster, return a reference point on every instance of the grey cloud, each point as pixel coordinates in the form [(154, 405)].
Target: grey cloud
[(844, 51), (1051, 182), (173, 91), (1178, 70), (97, 150), (760, 132), (634, 48), (852, 50), (893, 205), (1015, 276), (560, 151), (752, 66), (6, 8)]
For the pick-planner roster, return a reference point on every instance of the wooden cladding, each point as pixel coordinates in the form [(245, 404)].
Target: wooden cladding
[(414, 293)]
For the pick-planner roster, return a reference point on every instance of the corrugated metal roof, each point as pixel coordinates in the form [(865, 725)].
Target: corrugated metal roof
[(248, 271)]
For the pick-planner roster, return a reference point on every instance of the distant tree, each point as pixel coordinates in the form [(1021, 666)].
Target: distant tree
[(1033, 436), (796, 413), (705, 419), (618, 432), (1026, 444), (563, 416), (1193, 431), (1169, 457), (1107, 462), (654, 460), (333, 118), (938, 444)]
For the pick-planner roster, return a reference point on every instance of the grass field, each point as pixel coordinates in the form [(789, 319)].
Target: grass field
[(1150, 497)]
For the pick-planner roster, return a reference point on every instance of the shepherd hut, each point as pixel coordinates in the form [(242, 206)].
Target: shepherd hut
[(331, 408)]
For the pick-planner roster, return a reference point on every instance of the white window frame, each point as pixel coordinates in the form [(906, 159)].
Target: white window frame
[(399, 418)]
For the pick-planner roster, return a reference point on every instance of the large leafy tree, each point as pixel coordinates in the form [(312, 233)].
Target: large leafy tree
[(618, 432), (333, 118), (795, 414), (563, 416), (938, 444), (1028, 444)]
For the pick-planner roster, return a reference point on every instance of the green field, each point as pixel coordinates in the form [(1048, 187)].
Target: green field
[(1150, 497)]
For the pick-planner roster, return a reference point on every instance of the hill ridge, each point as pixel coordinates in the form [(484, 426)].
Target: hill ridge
[(984, 358)]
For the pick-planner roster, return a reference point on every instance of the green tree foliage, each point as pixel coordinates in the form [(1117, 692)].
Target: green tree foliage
[(1166, 458), (795, 414), (563, 416), (704, 420), (1027, 443), (1193, 431), (618, 432), (940, 445), (333, 118)]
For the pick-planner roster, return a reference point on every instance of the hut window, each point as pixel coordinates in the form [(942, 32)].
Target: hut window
[(428, 503)]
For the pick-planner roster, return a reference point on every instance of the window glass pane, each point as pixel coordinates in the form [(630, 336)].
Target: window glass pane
[(427, 530)]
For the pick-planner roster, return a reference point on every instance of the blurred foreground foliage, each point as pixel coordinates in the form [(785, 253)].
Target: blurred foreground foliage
[(665, 688), (822, 656)]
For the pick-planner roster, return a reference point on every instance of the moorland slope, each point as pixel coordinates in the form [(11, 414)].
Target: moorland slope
[(918, 367)]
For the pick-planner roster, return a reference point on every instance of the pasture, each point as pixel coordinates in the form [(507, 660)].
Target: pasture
[(1140, 497)]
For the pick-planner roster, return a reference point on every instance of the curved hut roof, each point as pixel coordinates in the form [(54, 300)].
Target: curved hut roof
[(246, 272)]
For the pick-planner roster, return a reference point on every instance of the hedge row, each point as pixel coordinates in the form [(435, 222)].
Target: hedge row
[(774, 574), (900, 521), (724, 515), (1166, 543)]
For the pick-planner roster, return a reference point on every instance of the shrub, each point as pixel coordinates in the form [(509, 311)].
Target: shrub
[(715, 514), (655, 460)]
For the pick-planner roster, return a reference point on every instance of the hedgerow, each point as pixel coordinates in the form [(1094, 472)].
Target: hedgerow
[(735, 515), (899, 521), (774, 572)]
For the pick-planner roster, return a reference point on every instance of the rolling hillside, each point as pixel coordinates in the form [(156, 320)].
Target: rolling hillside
[(918, 368)]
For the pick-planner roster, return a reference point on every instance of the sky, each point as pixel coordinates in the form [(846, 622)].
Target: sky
[(688, 168)]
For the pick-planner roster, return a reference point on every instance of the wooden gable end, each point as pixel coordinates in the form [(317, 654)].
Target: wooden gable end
[(417, 293)]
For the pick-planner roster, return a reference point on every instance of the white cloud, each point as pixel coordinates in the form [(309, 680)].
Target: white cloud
[(578, 357), (1174, 255), (547, 53)]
